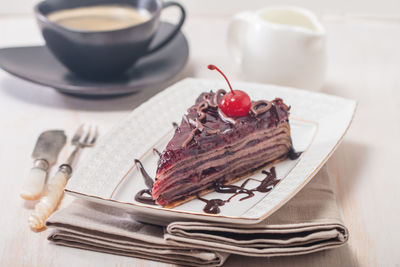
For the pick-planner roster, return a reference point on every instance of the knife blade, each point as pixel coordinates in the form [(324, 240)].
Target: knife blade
[(45, 153)]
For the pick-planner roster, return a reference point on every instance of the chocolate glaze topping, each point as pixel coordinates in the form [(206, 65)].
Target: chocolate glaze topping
[(214, 130), (209, 100)]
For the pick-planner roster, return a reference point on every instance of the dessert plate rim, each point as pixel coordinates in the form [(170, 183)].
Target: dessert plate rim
[(139, 209)]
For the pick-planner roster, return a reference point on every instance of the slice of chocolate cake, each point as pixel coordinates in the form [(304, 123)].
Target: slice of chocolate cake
[(210, 147)]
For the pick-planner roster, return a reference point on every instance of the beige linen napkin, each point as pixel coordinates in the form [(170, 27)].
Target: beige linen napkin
[(96, 227), (309, 222)]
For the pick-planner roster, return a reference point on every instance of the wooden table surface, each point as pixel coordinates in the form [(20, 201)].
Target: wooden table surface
[(364, 64)]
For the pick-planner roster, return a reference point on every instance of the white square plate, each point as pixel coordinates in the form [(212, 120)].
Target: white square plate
[(109, 176)]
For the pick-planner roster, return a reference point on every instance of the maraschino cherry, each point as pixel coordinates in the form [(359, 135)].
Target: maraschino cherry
[(236, 103)]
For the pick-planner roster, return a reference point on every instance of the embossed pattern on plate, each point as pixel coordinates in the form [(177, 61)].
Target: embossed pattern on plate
[(110, 164)]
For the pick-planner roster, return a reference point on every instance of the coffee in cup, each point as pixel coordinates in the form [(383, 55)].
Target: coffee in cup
[(100, 18), (101, 39)]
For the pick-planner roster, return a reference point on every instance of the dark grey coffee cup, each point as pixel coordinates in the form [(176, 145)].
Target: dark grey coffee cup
[(103, 54)]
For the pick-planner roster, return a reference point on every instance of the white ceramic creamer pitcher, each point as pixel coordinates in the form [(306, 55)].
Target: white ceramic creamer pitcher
[(279, 45)]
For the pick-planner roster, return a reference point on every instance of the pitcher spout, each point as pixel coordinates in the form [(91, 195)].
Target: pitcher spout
[(292, 18)]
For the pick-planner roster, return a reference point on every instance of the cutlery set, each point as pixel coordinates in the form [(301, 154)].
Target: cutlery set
[(47, 148), (45, 153)]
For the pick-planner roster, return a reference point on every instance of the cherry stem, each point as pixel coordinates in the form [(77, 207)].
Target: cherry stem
[(213, 67)]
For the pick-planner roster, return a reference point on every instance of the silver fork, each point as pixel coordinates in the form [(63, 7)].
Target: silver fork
[(55, 187), (79, 141)]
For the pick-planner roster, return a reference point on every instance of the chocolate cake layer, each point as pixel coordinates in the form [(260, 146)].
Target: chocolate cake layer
[(209, 147), (253, 139), (217, 158), (224, 176)]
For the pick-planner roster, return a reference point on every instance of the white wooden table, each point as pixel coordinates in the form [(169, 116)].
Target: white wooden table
[(364, 64)]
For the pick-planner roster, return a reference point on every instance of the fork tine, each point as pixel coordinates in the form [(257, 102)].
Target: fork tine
[(77, 134), (95, 135), (86, 138)]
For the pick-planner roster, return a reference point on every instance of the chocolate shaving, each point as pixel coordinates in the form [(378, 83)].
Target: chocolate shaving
[(218, 95), (199, 127), (207, 98), (213, 102), (193, 123), (202, 106), (280, 101), (214, 131), (260, 107), (189, 138)]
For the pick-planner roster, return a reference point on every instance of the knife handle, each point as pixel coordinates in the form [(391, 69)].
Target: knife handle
[(51, 197), (33, 185)]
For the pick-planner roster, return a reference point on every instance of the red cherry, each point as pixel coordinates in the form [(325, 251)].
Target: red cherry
[(236, 103)]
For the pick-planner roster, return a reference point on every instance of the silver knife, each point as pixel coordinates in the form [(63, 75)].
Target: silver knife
[(47, 148)]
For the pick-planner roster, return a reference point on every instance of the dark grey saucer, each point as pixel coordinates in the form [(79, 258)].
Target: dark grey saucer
[(38, 65)]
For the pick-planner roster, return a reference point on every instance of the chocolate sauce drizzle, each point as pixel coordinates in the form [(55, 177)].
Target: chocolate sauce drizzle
[(266, 185), (212, 205), (140, 196), (155, 151), (293, 155)]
